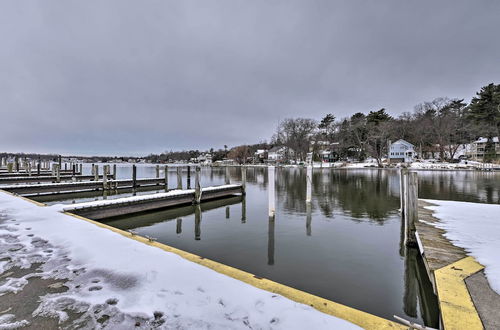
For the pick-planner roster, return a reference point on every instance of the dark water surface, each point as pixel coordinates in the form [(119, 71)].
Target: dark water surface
[(346, 247)]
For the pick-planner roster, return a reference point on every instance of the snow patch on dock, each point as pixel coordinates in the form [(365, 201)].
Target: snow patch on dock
[(474, 227)]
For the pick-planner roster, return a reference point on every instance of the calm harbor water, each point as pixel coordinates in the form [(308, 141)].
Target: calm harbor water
[(346, 247)]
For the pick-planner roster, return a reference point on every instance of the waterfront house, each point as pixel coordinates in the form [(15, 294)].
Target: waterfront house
[(478, 147), (279, 154), (401, 151)]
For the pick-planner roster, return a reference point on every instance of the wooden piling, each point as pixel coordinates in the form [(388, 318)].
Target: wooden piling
[(105, 170), (402, 193), (197, 186), (166, 178), (58, 173), (188, 177), (134, 177), (271, 182), (227, 176), (38, 168), (179, 177), (243, 179), (411, 209), (157, 171), (309, 184), (96, 174), (114, 172)]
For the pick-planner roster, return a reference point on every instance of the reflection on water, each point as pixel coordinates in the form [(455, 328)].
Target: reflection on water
[(344, 246)]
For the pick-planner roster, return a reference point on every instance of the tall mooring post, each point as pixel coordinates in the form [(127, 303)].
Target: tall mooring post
[(96, 173), (197, 186), (402, 194), (59, 162), (92, 171), (114, 172), (410, 208), (166, 177), (308, 184), (157, 171), (227, 176), (179, 177), (80, 171), (105, 171), (271, 182), (38, 165), (243, 180), (188, 177), (134, 177), (58, 173)]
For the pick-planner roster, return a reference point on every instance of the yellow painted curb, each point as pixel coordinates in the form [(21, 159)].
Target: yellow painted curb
[(456, 305), (360, 318)]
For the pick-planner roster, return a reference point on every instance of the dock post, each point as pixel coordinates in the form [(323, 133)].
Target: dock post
[(29, 168), (188, 178), (411, 209), (402, 193), (10, 167), (114, 172), (243, 180), (197, 186), (179, 178), (59, 162), (308, 218), (270, 179), (96, 173), (166, 177), (105, 177), (81, 169), (308, 184), (157, 171), (66, 166), (227, 177), (92, 171), (38, 167), (53, 169), (134, 177), (58, 173)]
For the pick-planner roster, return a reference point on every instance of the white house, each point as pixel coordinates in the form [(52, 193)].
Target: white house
[(277, 154), (401, 151)]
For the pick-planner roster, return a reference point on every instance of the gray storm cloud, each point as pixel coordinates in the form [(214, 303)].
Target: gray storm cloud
[(133, 77)]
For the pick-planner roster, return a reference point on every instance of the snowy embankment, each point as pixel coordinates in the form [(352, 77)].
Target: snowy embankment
[(474, 227), (130, 282)]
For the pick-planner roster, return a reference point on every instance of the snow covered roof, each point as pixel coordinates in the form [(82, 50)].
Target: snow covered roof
[(401, 141), (484, 140)]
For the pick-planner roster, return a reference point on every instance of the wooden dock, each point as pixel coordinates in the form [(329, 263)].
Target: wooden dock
[(54, 188), (48, 178), (466, 300), (122, 206)]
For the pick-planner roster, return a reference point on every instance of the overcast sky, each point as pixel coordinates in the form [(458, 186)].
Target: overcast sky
[(134, 77)]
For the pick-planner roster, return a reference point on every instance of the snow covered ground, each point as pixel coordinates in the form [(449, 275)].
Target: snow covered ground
[(476, 228), (117, 282)]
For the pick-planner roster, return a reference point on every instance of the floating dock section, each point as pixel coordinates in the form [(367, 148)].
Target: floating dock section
[(122, 206)]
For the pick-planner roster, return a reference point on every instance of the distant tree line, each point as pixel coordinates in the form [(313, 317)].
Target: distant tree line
[(440, 126)]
